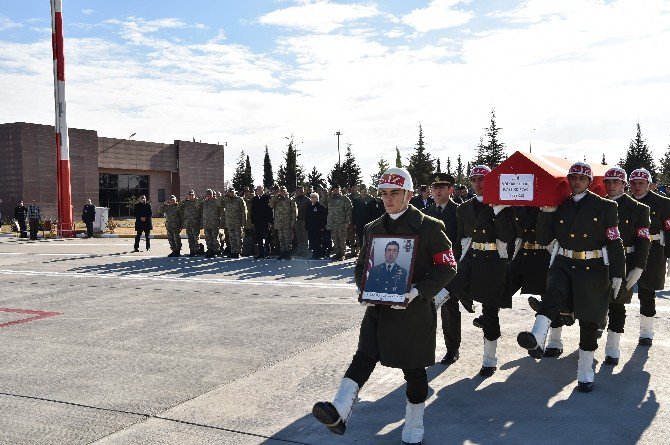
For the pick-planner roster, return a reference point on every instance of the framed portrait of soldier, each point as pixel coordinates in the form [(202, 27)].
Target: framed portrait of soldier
[(388, 270)]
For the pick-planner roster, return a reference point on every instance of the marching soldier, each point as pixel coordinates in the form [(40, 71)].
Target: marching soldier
[(588, 254), (339, 218), (191, 217), (170, 209), (236, 217), (211, 222), (653, 277), (444, 209), (285, 213), (397, 337), (484, 232)]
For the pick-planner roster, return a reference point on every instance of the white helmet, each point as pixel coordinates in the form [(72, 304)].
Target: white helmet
[(396, 177), (581, 168), (641, 173)]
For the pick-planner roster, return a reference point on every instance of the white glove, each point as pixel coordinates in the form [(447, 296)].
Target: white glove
[(632, 277), (465, 242), (548, 208), (411, 295), (498, 208), (667, 274), (362, 302), (616, 285), (502, 249), (441, 297)]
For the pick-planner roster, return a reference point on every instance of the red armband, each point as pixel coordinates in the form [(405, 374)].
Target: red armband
[(642, 232), (612, 233), (446, 257), (666, 224)]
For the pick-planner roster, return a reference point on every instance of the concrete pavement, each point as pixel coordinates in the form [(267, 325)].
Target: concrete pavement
[(102, 345)]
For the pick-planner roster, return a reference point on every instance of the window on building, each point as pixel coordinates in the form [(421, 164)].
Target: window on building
[(161, 195), (116, 191)]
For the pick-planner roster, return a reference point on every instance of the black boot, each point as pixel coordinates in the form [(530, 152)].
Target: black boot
[(450, 357)]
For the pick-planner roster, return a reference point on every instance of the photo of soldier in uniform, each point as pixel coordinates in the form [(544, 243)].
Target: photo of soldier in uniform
[(389, 269)]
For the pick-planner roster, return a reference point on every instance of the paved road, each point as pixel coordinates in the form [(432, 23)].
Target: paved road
[(101, 345)]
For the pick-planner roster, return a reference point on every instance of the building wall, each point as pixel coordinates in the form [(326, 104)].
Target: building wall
[(11, 170), (122, 154), (200, 167)]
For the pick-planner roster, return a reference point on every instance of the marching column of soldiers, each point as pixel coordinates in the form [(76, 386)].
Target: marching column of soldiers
[(580, 262)]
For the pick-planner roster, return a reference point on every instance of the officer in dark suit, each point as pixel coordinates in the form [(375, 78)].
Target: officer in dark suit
[(373, 209), (588, 263), (261, 218), (653, 277), (444, 209), (143, 222), (397, 337), (423, 200), (21, 216), (388, 277), (88, 216), (484, 232)]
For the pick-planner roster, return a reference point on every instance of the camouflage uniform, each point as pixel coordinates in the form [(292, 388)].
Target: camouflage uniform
[(236, 218), (191, 217), (285, 213), (172, 224), (339, 218), (211, 222)]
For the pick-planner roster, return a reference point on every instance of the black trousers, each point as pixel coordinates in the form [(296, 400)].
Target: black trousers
[(451, 323), (647, 301), (551, 305), (34, 228), (22, 229), (315, 243), (261, 239), (146, 236), (361, 368), (491, 322), (617, 317), (89, 229)]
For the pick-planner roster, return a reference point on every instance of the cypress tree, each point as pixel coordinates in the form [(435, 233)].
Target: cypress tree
[(638, 155), (238, 178), (460, 177), (398, 160), (421, 165), (449, 172), (268, 176), (382, 166), (290, 173), (438, 168)]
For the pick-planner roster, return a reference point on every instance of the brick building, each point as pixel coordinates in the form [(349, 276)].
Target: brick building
[(106, 170)]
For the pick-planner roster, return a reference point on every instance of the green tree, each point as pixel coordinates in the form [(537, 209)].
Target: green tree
[(638, 155), (460, 176), (315, 179), (382, 166), (421, 165), (268, 175), (449, 172), (351, 171), (492, 153), (664, 167), (291, 173), (337, 175), (248, 182), (438, 168), (398, 160), (603, 162), (239, 176)]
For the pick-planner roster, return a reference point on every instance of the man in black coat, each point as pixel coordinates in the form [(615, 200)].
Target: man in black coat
[(398, 337), (423, 200), (261, 219), (373, 209), (588, 263), (653, 277), (88, 216), (21, 217), (143, 223), (444, 209), (315, 221)]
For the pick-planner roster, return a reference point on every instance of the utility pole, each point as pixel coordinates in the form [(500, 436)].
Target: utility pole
[(338, 134)]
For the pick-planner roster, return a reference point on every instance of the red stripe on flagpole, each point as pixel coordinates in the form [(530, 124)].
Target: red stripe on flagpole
[(58, 46)]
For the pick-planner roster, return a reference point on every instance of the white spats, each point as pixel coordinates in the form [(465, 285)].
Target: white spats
[(540, 329), (489, 359), (345, 398), (646, 327), (612, 344), (555, 338), (412, 432), (585, 372)]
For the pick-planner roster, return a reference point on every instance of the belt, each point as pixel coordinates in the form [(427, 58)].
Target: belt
[(533, 246), (630, 249), (484, 246), (656, 237), (580, 255)]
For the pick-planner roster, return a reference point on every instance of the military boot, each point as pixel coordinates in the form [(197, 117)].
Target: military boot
[(534, 340), (336, 414), (646, 330), (585, 374), (412, 431), (489, 359), (554, 344), (612, 351)]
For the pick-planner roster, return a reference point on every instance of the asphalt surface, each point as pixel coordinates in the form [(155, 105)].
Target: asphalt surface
[(102, 345)]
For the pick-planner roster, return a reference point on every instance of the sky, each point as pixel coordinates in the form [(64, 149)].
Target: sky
[(570, 77)]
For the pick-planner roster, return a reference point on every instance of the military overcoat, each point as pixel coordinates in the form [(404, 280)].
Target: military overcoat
[(528, 270), (405, 338), (448, 218), (653, 277), (587, 225)]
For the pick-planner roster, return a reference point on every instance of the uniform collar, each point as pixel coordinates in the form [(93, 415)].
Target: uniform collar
[(578, 197)]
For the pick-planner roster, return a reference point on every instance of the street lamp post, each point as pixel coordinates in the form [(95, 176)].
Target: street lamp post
[(338, 134)]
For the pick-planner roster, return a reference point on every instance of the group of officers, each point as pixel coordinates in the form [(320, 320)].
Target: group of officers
[(582, 259)]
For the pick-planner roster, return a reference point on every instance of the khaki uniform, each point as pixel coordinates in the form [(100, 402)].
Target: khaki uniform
[(172, 224), (235, 219), (339, 219), (191, 217), (211, 222), (285, 213)]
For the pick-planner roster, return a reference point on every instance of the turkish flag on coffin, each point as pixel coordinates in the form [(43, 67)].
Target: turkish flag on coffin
[(526, 179)]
